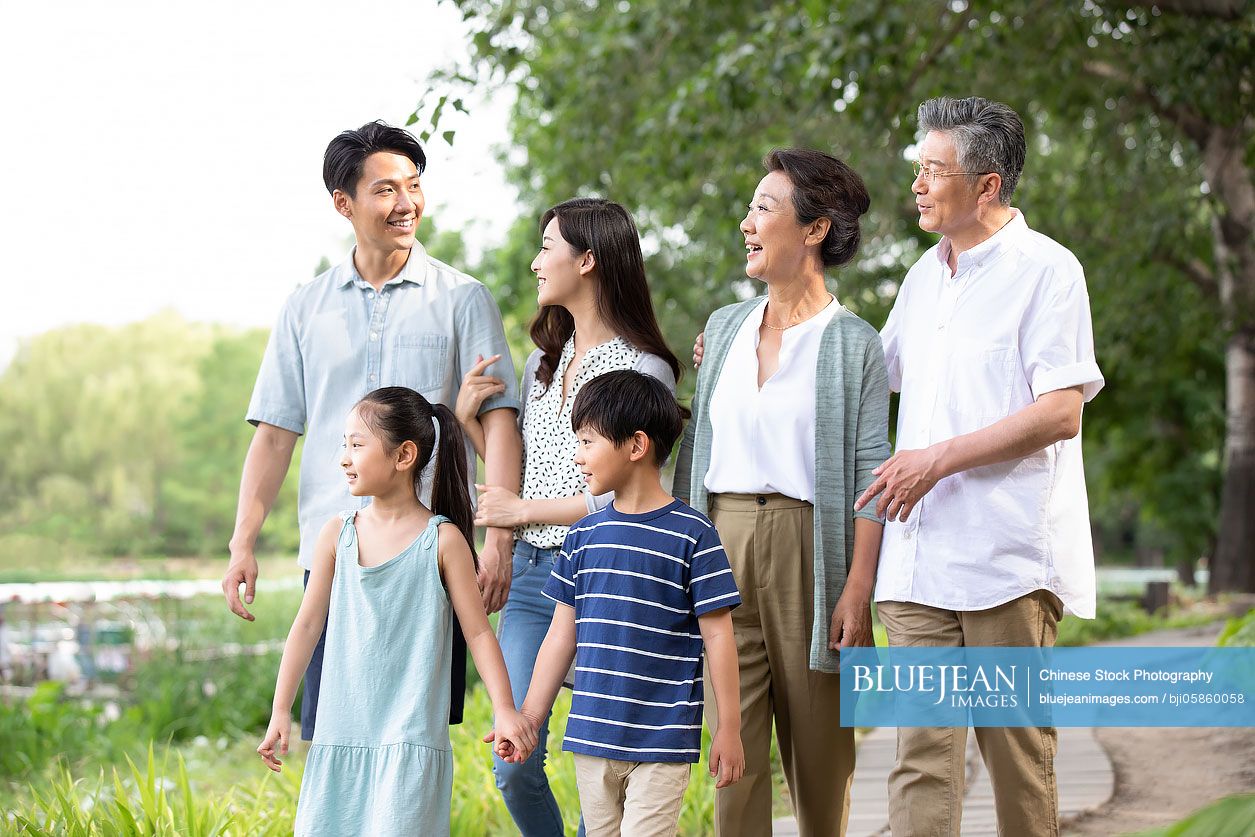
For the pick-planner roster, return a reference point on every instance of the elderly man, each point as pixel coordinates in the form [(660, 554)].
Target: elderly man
[(987, 541), (389, 315)]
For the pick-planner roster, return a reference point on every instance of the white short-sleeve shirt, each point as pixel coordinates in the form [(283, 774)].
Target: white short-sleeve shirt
[(965, 351)]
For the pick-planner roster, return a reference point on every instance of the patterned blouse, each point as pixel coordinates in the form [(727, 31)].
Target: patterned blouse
[(549, 469)]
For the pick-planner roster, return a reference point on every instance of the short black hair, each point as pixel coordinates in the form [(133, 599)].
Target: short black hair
[(346, 155), (617, 404)]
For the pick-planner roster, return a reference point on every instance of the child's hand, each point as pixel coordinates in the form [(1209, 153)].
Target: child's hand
[(727, 757), (515, 736), (279, 730)]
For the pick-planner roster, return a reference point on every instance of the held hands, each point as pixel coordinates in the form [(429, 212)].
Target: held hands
[(276, 734), (727, 757), (515, 736), (476, 389), (904, 479)]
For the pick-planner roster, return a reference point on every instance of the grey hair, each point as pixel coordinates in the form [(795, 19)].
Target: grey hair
[(988, 136)]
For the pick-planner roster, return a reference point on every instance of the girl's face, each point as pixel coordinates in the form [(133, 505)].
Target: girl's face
[(561, 274), (369, 466)]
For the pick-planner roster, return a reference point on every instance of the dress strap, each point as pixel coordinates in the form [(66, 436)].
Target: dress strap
[(348, 531), (432, 534)]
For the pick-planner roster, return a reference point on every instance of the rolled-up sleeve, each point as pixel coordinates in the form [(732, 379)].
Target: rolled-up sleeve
[(872, 433), (480, 332), (1057, 339), (279, 393)]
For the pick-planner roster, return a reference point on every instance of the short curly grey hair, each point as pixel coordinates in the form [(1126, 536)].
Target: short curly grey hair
[(989, 136)]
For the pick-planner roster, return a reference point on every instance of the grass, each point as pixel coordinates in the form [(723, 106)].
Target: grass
[(82, 768), (1232, 816)]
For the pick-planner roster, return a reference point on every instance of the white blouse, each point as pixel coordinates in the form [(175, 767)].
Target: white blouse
[(764, 439), (549, 469)]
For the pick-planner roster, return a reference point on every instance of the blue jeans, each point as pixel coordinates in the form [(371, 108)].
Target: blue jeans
[(521, 629)]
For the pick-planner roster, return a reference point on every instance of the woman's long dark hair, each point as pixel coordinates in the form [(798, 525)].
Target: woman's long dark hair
[(605, 228), (398, 415)]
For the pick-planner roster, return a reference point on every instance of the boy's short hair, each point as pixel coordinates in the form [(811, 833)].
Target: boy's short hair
[(617, 404)]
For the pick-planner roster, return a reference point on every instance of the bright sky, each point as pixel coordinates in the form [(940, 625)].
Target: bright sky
[(168, 154)]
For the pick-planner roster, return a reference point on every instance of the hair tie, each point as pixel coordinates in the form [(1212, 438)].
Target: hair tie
[(427, 477)]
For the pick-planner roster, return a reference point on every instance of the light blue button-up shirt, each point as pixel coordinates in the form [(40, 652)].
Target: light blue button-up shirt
[(337, 339)]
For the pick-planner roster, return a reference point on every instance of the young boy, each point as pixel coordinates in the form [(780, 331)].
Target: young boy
[(641, 586)]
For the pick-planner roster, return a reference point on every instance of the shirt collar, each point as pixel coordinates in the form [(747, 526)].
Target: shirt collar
[(990, 248), (415, 270)]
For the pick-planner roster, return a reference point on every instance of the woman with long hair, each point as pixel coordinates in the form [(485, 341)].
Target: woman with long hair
[(595, 316)]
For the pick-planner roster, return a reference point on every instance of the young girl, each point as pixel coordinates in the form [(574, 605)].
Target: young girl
[(389, 579), (595, 317)]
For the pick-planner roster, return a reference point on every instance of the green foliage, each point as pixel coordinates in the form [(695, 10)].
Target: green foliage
[(145, 803), (42, 727), (1117, 619), (1239, 632), (127, 441), (1232, 816), (668, 107)]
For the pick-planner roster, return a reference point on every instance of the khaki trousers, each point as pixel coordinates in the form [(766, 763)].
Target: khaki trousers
[(770, 544), (630, 798), (926, 785)]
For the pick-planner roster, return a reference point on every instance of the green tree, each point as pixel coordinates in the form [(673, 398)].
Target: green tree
[(1140, 126), (129, 440)]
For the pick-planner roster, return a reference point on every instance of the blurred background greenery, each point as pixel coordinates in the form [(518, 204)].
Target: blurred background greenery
[(123, 445)]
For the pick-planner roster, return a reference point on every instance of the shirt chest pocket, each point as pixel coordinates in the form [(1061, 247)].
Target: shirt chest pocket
[(979, 380), (420, 361)]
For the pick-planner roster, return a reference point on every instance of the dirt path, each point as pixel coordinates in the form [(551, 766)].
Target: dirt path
[(1164, 774)]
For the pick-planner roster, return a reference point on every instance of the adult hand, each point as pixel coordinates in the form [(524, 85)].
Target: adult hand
[(851, 621), (241, 570), (498, 506), (476, 389), (699, 350), (496, 569), (903, 479)]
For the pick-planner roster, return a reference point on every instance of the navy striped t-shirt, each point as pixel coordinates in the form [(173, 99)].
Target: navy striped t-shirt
[(638, 582)]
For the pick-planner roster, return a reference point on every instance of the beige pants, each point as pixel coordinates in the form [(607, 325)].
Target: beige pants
[(630, 798), (926, 785), (770, 543)]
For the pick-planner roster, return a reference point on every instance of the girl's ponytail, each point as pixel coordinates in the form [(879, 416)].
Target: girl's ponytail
[(398, 415), (448, 486)]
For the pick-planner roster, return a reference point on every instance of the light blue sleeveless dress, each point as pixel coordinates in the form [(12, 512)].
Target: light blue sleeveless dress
[(381, 762)]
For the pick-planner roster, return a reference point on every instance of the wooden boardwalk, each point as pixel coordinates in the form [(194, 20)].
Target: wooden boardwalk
[(1083, 769)]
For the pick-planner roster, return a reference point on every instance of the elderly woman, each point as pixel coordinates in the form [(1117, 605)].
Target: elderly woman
[(790, 417)]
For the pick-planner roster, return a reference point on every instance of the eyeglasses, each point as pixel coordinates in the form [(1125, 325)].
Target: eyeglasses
[(929, 173)]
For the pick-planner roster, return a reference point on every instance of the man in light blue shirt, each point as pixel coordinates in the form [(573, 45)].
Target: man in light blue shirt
[(389, 315)]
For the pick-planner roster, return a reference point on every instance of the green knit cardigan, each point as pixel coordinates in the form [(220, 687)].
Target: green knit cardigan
[(851, 439)]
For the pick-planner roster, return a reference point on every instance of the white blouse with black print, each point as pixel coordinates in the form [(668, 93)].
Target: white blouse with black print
[(549, 469)]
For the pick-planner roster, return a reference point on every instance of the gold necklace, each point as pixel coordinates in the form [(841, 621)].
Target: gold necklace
[(799, 322)]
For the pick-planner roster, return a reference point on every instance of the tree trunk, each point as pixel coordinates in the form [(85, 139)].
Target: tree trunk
[(1233, 565)]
